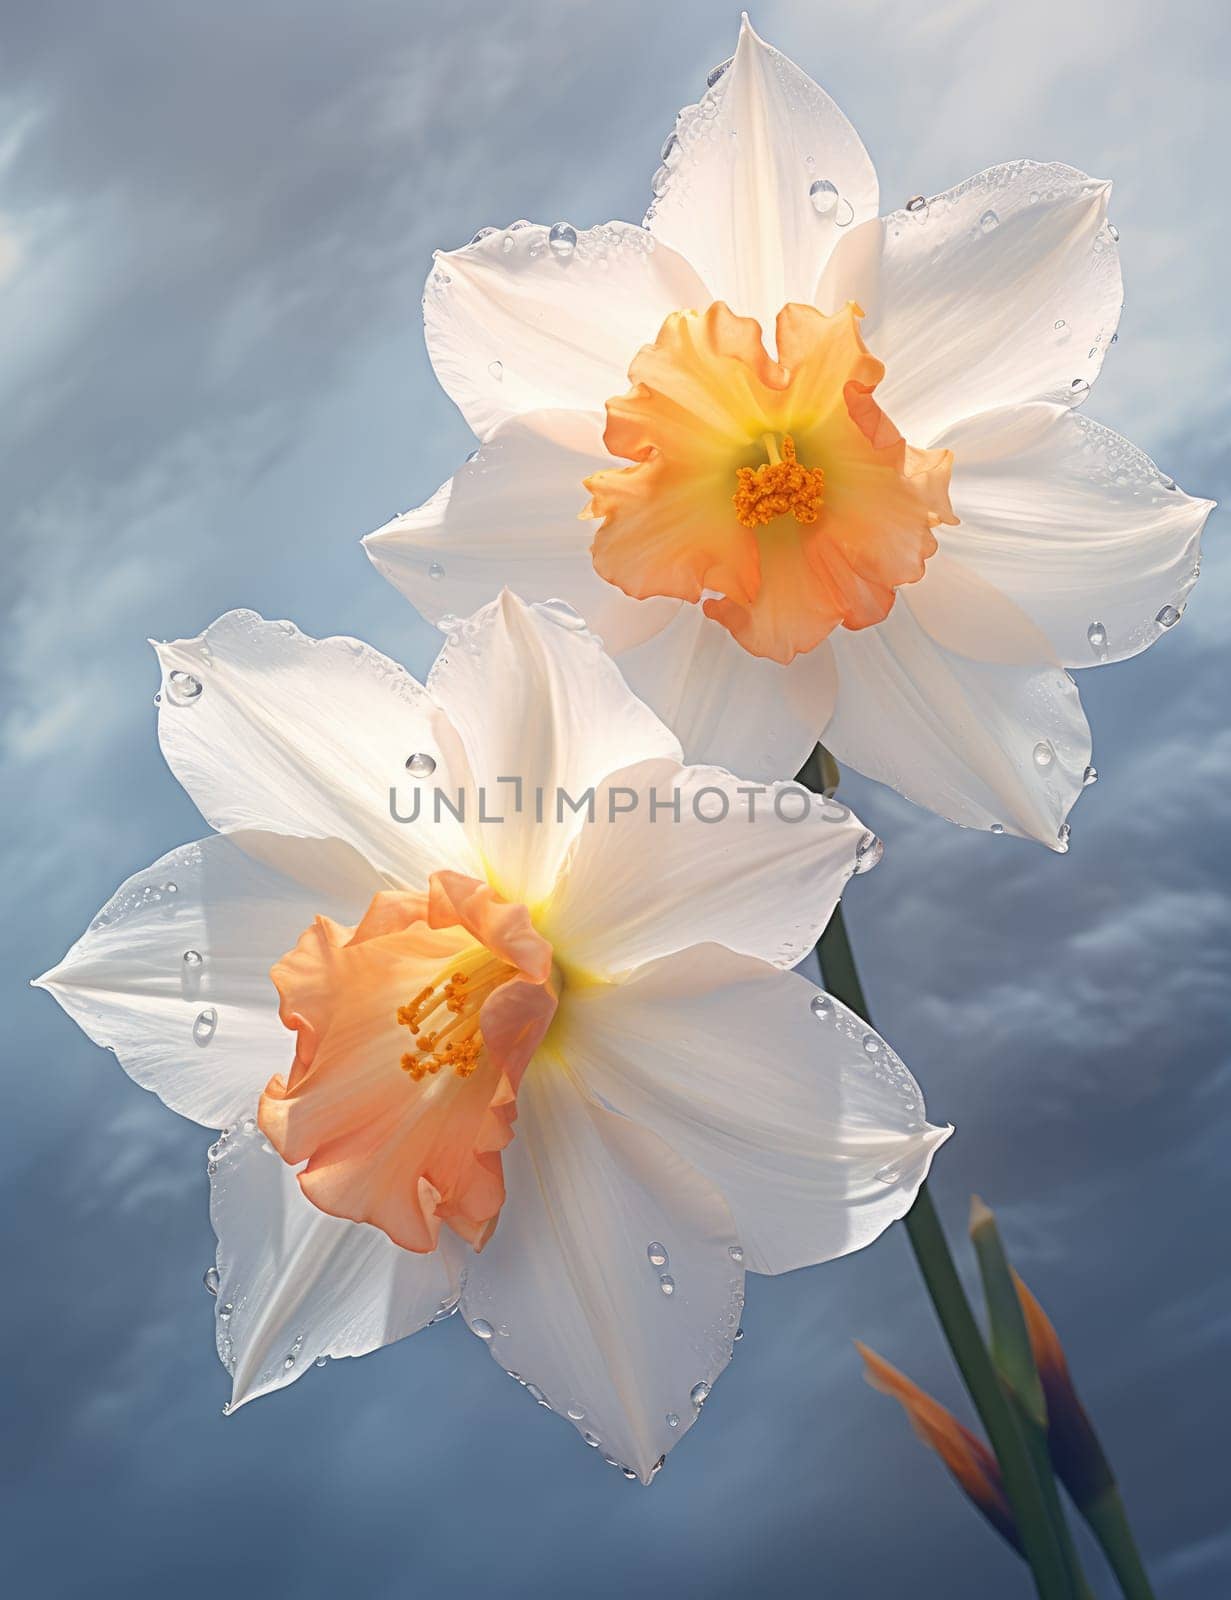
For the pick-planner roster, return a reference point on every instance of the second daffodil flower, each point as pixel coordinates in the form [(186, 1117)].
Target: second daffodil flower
[(809, 472), (531, 1044)]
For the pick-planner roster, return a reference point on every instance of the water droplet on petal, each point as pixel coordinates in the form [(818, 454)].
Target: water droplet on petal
[(483, 1328), (868, 853), (661, 181), (496, 369), (204, 1027), (212, 1280), (1089, 776), (321, 1361), (420, 764), (1044, 755), (435, 572), (844, 215), (1097, 635), (225, 1310), (666, 1283), (1113, 232), (1060, 324), (821, 1007), (592, 1440), (656, 1253), (193, 958), (535, 1393), (575, 1414), (562, 240), (736, 1252), (627, 1472), (871, 1044), (1167, 617), (824, 197), (997, 827), (713, 75), (737, 1336), (1079, 388), (989, 221), (918, 207), (673, 1420), (183, 688), (288, 1363), (699, 1393), (1063, 837)]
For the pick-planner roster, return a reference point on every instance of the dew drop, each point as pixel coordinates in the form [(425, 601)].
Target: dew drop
[(562, 240), (1063, 837), (592, 1440), (205, 1026), (657, 1254), (1167, 617), (1113, 232), (989, 222), (670, 145), (1097, 635), (997, 827), (666, 1283), (824, 197), (496, 369), (170, 888), (212, 1280), (435, 572), (871, 1044), (482, 1327), (193, 958), (627, 1472), (1079, 388), (536, 1394), (1060, 324), (845, 214), (713, 75), (736, 1252), (183, 688), (737, 1336), (575, 1414), (1089, 776), (288, 1363), (506, 244), (661, 181), (420, 764), (699, 1393), (225, 1310), (918, 207), (821, 1007), (1044, 755), (673, 1420), (321, 1361), (868, 853)]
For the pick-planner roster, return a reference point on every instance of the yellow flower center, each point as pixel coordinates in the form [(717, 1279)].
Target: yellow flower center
[(709, 407), (443, 1017), (782, 484)]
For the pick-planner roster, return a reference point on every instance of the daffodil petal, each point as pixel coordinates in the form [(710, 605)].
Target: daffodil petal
[(682, 855), (764, 177), (514, 325), (1076, 525), (543, 716), (1002, 290), (296, 1284), (173, 973), (268, 728), (805, 1119), (565, 1293), (729, 708), (986, 744), (512, 514)]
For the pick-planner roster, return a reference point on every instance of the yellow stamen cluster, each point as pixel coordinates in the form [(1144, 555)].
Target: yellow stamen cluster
[(443, 1046), (779, 485)]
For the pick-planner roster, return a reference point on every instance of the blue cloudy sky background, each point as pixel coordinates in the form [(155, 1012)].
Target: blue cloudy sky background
[(215, 221)]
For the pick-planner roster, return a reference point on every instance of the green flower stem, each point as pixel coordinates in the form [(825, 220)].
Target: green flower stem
[(1040, 1543), (1109, 1524)]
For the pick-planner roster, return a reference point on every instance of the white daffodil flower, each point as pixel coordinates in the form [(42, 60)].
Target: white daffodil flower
[(848, 495), (531, 1043)]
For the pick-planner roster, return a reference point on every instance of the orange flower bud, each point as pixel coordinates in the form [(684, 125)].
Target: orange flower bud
[(971, 1463), (1076, 1453)]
